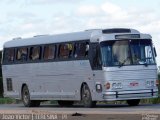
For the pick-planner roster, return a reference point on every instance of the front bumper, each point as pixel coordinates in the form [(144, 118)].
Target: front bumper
[(126, 95)]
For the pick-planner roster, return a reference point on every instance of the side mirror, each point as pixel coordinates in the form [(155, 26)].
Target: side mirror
[(155, 53)]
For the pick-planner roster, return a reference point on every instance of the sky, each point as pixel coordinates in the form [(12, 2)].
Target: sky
[(27, 18)]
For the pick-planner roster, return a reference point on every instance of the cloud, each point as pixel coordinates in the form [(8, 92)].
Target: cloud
[(152, 27), (109, 15), (38, 2), (46, 2), (88, 10), (27, 23), (113, 10)]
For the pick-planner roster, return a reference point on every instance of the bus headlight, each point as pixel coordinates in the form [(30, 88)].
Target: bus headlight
[(98, 87), (117, 85)]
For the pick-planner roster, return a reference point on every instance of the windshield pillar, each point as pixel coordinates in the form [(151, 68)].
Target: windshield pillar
[(95, 58)]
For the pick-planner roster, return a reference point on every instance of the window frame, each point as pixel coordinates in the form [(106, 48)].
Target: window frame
[(42, 47)]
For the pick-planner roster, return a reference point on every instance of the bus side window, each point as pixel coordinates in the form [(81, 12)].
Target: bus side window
[(35, 53), (22, 54), (65, 50), (9, 55), (49, 52), (81, 50)]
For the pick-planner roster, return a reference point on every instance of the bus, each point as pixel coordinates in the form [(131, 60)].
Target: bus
[(89, 66)]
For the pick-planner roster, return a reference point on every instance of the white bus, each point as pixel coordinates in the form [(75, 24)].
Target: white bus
[(88, 66)]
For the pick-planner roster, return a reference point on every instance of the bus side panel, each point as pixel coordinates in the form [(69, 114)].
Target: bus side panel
[(99, 80), (10, 81), (49, 81)]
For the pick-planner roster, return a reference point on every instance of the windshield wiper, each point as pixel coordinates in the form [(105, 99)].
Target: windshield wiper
[(145, 64), (124, 61)]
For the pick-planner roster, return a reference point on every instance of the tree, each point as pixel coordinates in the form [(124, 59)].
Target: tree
[(0, 64), (1, 82)]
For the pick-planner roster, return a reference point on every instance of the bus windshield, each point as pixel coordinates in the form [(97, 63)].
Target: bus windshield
[(127, 52)]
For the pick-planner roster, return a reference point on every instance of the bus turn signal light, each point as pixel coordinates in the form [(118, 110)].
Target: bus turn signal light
[(107, 85)]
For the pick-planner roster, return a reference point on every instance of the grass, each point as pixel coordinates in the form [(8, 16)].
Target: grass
[(7, 101), (1, 87)]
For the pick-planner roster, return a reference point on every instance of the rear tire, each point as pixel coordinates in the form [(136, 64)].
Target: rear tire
[(26, 98), (65, 103), (86, 97), (133, 102)]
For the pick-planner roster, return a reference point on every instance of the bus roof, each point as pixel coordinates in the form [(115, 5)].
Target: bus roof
[(47, 39)]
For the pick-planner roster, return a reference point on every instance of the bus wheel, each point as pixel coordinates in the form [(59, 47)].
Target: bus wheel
[(133, 102), (65, 103), (86, 97), (26, 99)]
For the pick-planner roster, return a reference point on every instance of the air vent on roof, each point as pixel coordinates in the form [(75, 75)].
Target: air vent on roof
[(116, 30), (17, 38), (39, 35), (92, 29)]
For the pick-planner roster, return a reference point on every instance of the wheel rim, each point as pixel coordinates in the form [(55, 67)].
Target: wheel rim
[(86, 96)]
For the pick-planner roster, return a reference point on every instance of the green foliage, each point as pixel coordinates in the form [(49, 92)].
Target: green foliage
[(1, 87), (159, 83), (1, 82), (150, 101), (156, 101), (7, 101), (0, 64)]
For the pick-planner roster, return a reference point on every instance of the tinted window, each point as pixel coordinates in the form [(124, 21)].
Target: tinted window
[(65, 50), (22, 54), (142, 52), (49, 52), (9, 55), (81, 49), (35, 53), (127, 52)]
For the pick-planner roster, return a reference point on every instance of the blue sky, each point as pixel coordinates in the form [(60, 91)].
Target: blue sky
[(26, 18)]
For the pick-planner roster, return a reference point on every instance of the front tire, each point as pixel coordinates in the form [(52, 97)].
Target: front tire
[(26, 98), (86, 97), (133, 102)]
